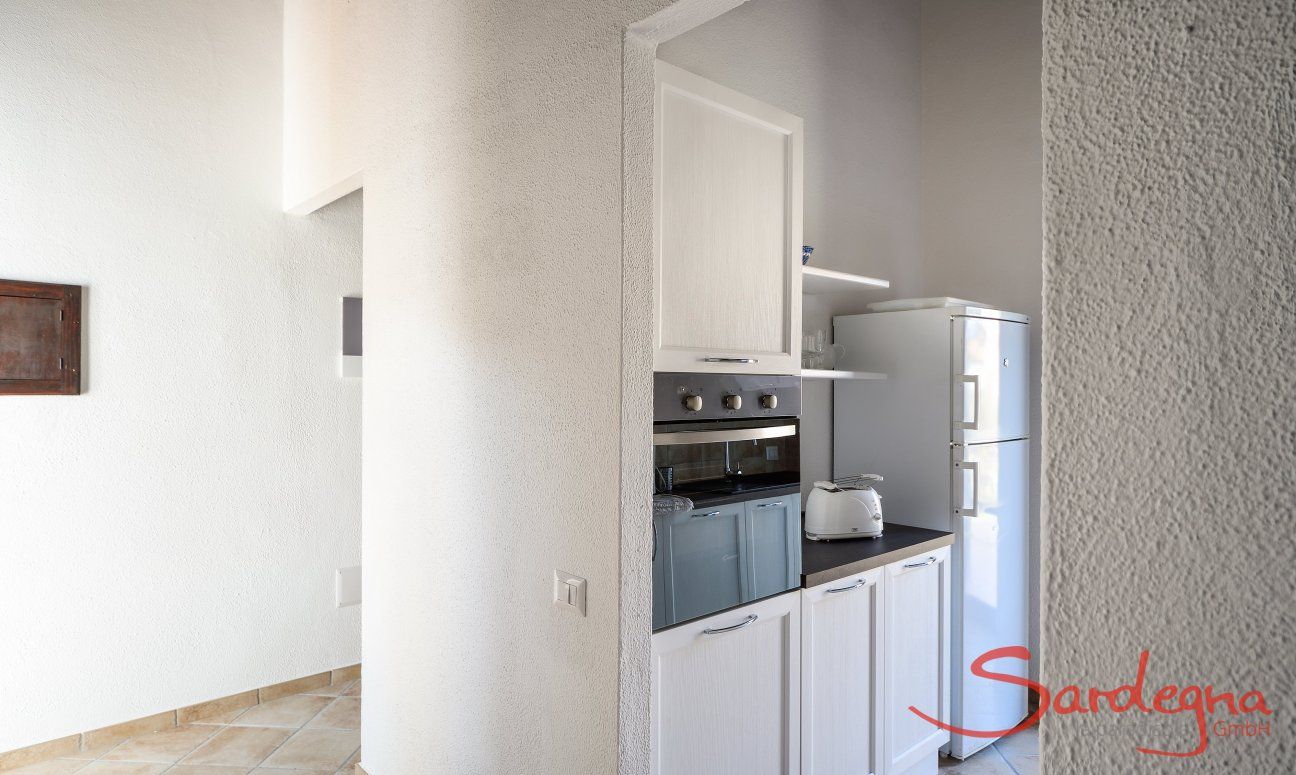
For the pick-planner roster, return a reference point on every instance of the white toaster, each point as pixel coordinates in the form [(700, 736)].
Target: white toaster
[(844, 508)]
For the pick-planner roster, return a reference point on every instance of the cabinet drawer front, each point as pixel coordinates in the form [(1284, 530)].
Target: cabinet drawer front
[(916, 601), (841, 691), (728, 702)]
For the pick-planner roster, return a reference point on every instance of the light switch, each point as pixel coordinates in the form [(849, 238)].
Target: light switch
[(569, 591), (347, 586)]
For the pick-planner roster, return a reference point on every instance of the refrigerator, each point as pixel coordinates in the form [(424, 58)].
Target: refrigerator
[(948, 429)]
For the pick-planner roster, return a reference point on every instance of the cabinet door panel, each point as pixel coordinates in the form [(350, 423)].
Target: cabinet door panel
[(991, 400), (728, 225), (704, 568), (728, 702), (841, 691), (774, 545), (917, 657)]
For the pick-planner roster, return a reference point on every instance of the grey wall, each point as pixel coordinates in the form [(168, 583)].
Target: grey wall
[(982, 165), (1170, 335), (849, 68)]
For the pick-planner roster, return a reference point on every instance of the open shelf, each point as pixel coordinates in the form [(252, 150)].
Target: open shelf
[(839, 374), (816, 280)]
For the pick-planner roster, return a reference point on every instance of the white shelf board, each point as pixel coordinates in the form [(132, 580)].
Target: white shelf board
[(836, 374), (816, 280)]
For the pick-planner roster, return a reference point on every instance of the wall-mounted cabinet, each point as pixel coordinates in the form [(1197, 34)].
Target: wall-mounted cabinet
[(727, 201)]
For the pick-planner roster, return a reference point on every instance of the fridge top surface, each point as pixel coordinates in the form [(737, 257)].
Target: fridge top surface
[(970, 310)]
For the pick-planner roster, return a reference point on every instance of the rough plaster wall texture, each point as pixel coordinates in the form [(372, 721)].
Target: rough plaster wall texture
[(492, 407), (850, 69), (322, 116), (982, 171), (1170, 334), (170, 535)]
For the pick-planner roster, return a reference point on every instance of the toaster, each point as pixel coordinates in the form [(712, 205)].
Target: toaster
[(844, 508)]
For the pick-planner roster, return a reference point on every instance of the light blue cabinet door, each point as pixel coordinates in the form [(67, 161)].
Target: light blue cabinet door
[(773, 556), (661, 550), (701, 562)]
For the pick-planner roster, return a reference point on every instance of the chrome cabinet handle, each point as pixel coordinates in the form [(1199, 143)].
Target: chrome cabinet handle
[(708, 514), (751, 618), (969, 466), (769, 505), (856, 585), (729, 360), (976, 402), (922, 564)]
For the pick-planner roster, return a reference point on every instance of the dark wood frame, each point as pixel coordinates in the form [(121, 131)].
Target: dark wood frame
[(69, 338)]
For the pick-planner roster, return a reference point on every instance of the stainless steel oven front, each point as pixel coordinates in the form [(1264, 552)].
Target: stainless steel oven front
[(729, 443)]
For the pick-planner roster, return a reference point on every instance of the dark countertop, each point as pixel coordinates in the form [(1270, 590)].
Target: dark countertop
[(825, 561)]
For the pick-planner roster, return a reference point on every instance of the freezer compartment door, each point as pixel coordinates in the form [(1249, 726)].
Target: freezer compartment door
[(991, 383), (991, 578)]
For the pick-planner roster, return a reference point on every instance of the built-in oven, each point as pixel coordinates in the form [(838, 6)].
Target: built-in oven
[(729, 443)]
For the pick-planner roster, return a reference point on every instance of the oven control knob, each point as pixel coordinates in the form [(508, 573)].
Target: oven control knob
[(769, 401), (733, 402), (693, 403)]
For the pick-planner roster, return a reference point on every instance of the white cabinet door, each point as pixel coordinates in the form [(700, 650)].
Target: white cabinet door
[(841, 676), (727, 201), (916, 653), (726, 692)]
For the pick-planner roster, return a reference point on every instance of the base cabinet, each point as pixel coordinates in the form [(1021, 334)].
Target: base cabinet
[(916, 664), (841, 666), (816, 681), (726, 692)]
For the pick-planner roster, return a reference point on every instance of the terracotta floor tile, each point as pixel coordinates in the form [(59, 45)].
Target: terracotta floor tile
[(206, 769), (239, 746), (342, 713), (51, 767), (293, 711), (222, 718), (167, 747), (123, 768), (89, 755), (337, 690), (316, 749), (349, 767), (353, 690), (277, 771)]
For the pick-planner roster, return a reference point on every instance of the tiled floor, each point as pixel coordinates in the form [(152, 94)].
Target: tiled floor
[(1015, 755), (317, 733)]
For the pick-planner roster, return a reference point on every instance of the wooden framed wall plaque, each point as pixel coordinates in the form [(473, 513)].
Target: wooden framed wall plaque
[(40, 338)]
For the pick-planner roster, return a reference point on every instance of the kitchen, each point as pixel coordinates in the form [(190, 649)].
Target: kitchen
[(773, 652)]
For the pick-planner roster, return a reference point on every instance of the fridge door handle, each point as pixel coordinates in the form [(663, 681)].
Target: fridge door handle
[(961, 379), (962, 466)]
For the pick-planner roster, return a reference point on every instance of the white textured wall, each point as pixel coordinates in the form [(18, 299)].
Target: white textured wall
[(1170, 335), (850, 68), (170, 535), (493, 383), (323, 58), (982, 170)]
